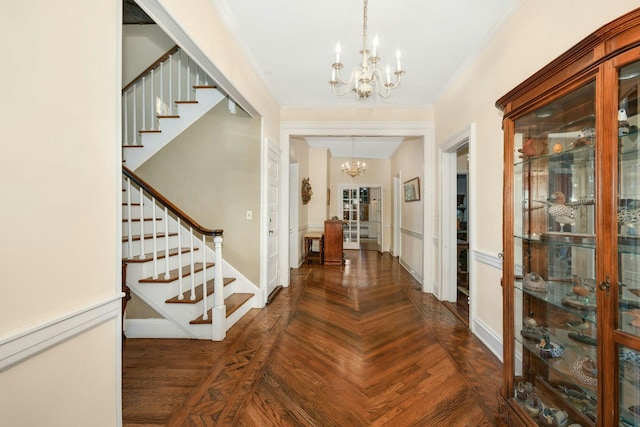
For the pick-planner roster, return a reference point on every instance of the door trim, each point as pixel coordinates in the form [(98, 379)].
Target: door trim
[(448, 244)]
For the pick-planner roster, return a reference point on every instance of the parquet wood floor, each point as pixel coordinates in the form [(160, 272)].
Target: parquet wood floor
[(358, 345)]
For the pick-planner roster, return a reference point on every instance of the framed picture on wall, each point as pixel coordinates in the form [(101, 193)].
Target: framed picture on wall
[(412, 190)]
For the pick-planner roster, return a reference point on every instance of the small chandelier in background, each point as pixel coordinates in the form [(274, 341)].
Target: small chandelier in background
[(354, 168), (366, 77)]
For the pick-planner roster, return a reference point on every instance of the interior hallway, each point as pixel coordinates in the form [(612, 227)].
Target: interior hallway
[(352, 346)]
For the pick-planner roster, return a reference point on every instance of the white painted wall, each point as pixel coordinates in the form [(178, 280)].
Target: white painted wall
[(317, 206), (299, 152), (536, 33), (60, 222)]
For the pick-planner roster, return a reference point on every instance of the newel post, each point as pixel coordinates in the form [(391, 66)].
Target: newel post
[(219, 309)]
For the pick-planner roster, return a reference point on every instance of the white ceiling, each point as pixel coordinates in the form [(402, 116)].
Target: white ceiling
[(291, 44)]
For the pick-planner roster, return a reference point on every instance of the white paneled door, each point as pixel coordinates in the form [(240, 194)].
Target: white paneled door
[(273, 203)]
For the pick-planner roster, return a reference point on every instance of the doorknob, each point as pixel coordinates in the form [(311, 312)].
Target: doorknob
[(270, 231)]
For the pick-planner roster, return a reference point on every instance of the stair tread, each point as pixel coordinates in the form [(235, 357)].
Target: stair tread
[(168, 116), (125, 239), (205, 87), (186, 102), (133, 146), (150, 131), (233, 302), (198, 291), (149, 256), (138, 219), (173, 274)]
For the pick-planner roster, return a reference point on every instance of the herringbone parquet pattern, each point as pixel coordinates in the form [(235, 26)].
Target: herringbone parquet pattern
[(352, 346)]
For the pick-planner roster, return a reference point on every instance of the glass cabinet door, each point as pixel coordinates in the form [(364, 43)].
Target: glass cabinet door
[(555, 261), (628, 216)]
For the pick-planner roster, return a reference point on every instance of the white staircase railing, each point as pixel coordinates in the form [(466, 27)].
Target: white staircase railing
[(154, 207), (157, 91)]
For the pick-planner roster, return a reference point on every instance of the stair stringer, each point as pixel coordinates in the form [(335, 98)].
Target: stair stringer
[(170, 128), (156, 294)]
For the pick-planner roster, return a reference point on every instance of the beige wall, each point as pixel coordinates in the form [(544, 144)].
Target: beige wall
[(208, 31), (319, 181), (407, 161), (212, 172), (142, 45), (59, 223), (535, 34)]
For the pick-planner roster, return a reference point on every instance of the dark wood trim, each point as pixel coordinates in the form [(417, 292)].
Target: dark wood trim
[(173, 208), (152, 66)]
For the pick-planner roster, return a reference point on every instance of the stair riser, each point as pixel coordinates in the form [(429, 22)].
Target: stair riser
[(148, 245), (163, 292), (148, 227), (147, 267)]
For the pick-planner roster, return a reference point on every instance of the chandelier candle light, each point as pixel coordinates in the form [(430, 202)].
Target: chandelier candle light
[(354, 168), (366, 77)]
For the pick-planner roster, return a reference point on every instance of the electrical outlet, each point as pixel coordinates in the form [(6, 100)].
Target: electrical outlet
[(249, 215)]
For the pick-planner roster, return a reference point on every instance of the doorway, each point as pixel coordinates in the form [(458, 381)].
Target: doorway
[(457, 224), (362, 216), (463, 295)]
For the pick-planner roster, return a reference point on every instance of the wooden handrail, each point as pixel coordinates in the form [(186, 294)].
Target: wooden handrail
[(173, 208), (152, 66)]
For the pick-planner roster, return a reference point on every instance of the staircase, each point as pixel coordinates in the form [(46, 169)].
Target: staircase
[(172, 267), (173, 264), (164, 100)]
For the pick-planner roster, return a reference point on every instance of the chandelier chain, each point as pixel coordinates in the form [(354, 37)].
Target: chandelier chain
[(367, 78), (364, 25)]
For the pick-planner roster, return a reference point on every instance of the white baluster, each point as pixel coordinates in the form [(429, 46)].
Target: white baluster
[(180, 295), (155, 239), (188, 88), (152, 110), (180, 75), (219, 309), (193, 279), (166, 243), (129, 232), (125, 118), (162, 87), (205, 316), (143, 111), (171, 103), (134, 107), (141, 255)]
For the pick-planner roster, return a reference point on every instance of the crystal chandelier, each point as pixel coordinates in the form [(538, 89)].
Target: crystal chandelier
[(366, 77), (354, 168)]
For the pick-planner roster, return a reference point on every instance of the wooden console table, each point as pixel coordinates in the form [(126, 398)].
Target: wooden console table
[(309, 253)]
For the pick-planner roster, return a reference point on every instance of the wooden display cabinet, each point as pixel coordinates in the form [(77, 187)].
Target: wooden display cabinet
[(571, 276)]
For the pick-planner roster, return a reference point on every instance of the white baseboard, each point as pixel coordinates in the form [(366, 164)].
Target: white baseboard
[(152, 328), (412, 271), (490, 338)]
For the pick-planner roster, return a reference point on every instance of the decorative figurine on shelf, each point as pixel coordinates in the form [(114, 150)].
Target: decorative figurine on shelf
[(581, 327), (533, 405), (553, 417), (563, 212), (581, 296), (532, 148), (549, 350), (531, 329), (586, 136), (628, 212), (623, 124), (533, 282)]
